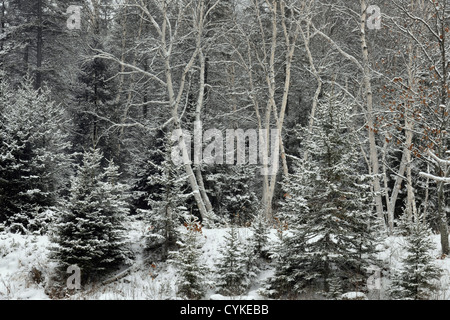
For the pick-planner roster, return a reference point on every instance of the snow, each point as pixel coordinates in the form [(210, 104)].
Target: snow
[(19, 254), (153, 280), (354, 296), (251, 296)]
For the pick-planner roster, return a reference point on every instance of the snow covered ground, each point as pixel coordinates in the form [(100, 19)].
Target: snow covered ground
[(392, 252), (20, 255), (25, 269)]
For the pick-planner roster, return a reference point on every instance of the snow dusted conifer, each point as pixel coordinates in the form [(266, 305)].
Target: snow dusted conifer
[(257, 250), (418, 279), (231, 269), (34, 159), (167, 201), (192, 274), (259, 239), (232, 192), (239, 199), (288, 255), (146, 164), (90, 232)]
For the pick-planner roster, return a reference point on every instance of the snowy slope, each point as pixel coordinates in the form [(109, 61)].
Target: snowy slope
[(25, 269), (20, 254), (19, 257)]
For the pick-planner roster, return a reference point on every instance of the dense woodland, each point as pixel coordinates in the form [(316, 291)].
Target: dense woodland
[(362, 116)]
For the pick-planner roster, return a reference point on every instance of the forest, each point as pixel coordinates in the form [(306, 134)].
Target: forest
[(224, 149)]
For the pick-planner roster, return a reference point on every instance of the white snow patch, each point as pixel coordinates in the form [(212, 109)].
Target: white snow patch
[(354, 296)]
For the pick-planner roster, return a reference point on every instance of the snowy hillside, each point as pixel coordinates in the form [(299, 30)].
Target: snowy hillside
[(20, 255), (25, 269)]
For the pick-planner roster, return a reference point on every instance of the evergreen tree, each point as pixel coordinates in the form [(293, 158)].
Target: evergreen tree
[(167, 199), (95, 104), (192, 275), (418, 279), (257, 251), (232, 194), (329, 208), (259, 239), (232, 277), (239, 200), (34, 158), (90, 232), (143, 167), (35, 40)]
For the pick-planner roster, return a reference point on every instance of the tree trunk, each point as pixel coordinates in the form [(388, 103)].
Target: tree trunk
[(373, 153), (174, 102), (39, 44), (443, 226), (198, 111), (306, 40), (411, 209)]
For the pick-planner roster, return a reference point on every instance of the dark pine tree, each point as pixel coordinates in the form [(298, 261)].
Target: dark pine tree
[(419, 277), (331, 243), (231, 269), (34, 159), (90, 230), (192, 273)]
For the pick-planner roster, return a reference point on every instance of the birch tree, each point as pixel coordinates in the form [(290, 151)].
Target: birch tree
[(168, 20), (363, 67), (272, 42), (429, 37)]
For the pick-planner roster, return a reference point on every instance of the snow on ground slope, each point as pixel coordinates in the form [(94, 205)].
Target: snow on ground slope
[(23, 266), (22, 257), (25, 269), (392, 253)]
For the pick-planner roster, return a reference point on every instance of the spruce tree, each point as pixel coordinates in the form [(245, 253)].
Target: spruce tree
[(167, 199), (257, 249), (328, 205), (147, 163), (240, 201), (232, 277), (34, 159), (259, 240), (90, 231), (35, 40), (232, 194), (95, 93), (419, 276), (192, 274)]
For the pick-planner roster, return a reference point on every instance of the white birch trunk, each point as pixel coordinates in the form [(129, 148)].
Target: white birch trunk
[(373, 153)]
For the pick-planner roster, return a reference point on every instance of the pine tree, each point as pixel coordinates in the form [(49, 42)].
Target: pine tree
[(90, 232), (257, 251), (240, 201), (418, 279), (232, 194), (192, 274), (289, 279), (329, 209), (259, 239), (232, 277), (34, 159), (95, 104), (167, 199), (35, 40)]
